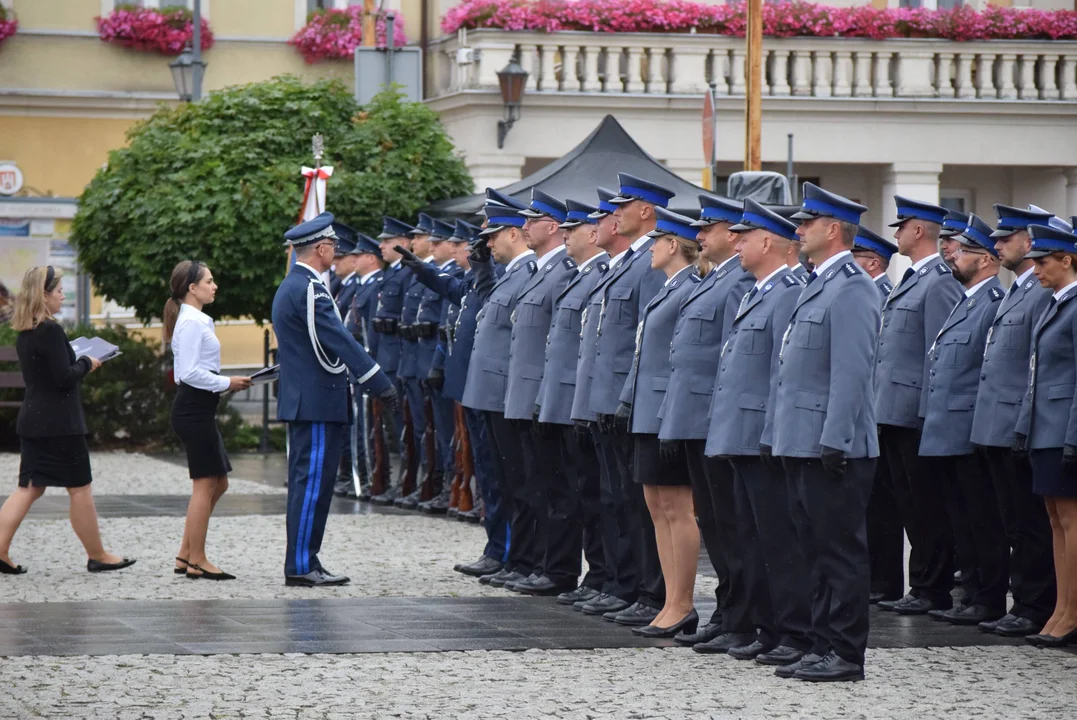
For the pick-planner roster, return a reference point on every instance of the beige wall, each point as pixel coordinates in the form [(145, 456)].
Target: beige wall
[(57, 14)]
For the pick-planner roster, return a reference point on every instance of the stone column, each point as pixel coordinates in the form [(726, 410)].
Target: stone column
[(495, 169), (914, 180)]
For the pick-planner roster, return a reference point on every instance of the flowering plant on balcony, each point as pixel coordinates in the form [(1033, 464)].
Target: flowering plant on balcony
[(788, 19), (8, 24), (334, 34), (166, 30)]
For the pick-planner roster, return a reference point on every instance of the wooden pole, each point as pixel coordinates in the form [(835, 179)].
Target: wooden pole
[(369, 11), (753, 69)]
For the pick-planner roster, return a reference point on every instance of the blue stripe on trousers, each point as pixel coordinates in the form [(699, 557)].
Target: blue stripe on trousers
[(317, 481), (306, 517)]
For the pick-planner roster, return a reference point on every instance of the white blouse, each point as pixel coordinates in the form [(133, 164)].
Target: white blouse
[(196, 351)]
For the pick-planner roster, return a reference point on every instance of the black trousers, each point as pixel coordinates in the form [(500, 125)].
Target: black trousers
[(511, 462), (833, 512), (1028, 529), (734, 605), (749, 546), (560, 536), (886, 536), (779, 580), (618, 545), (707, 518), (578, 509), (921, 505), (541, 470)]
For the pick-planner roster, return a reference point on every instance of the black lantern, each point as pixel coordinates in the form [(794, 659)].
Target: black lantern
[(183, 70), (513, 80)]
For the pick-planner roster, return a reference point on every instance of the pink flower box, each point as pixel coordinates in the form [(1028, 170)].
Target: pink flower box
[(334, 34), (165, 31), (8, 24)]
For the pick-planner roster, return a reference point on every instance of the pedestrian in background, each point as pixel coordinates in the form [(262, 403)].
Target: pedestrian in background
[(7, 305)]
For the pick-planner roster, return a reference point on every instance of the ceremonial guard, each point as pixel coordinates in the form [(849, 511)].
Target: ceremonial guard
[(575, 513), (949, 457), (912, 317), (1003, 384), (823, 428), (316, 352), (352, 475)]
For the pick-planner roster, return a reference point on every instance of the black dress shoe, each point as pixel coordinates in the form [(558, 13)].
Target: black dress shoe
[(387, 498), (916, 606), (889, 605), (635, 615), (6, 569), (512, 576), (1055, 641), (832, 668), (990, 625), (202, 574), (688, 623), (544, 586), (781, 655), (605, 604), (1017, 627), (940, 613), (721, 644), (501, 575), (788, 671), (704, 634), (581, 595), (472, 516), (511, 583), (98, 566), (409, 502), (483, 566), (315, 578), (439, 505), (750, 651), (972, 615)]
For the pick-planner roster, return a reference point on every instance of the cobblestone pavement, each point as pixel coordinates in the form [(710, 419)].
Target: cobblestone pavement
[(981, 683), (120, 473)]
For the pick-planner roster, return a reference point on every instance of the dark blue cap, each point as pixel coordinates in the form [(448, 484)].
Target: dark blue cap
[(499, 217), (977, 234), (908, 209), (867, 240), (820, 203), (441, 230), (635, 188), (346, 239), (954, 223), (718, 209), (366, 245), (493, 196), (1047, 240), (671, 223), (424, 225), (464, 232), (1011, 219), (311, 231), (757, 217), (544, 205), (605, 207), (580, 214), (391, 228)]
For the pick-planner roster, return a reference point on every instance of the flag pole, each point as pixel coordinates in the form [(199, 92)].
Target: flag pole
[(753, 105)]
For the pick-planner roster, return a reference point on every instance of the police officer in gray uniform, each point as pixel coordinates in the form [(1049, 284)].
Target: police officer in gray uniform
[(1003, 381), (954, 361), (912, 317), (824, 430), (776, 580), (872, 253)]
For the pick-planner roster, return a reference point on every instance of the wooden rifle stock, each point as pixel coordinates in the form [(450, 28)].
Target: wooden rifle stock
[(379, 482), (465, 465)]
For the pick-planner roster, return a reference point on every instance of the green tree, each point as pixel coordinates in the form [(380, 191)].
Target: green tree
[(218, 181)]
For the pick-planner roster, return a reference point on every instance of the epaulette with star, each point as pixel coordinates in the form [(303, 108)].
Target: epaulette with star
[(996, 294), (942, 268), (569, 263), (851, 269), (790, 280), (532, 267)]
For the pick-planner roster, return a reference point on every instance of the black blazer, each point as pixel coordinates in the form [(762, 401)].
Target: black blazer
[(52, 406)]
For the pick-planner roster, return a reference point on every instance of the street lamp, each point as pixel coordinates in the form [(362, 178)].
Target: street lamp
[(183, 73), (513, 80)]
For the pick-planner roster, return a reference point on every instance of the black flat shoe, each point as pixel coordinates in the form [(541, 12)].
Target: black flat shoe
[(95, 566), (688, 624), (204, 574), (1054, 641), (6, 569), (182, 570)]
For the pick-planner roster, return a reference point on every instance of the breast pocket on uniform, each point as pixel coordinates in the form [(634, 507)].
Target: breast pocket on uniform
[(529, 310), (952, 348), (568, 315), (906, 315), (808, 330), (619, 308), (752, 336), (1013, 331), (696, 321), (499, 305)]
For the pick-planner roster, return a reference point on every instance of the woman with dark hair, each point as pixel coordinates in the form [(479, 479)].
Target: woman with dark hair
[(7, 305), (51, 426), (196, 356)]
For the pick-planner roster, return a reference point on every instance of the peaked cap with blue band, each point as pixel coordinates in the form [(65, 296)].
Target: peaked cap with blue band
[(499, 198), (718, 209), (346, 239), (671, 223), (464, 232), (977, 234), (908, 209), (311, 231), (442, 230), (867, 240), (757, 217), (544, 205), (954, 223), (820, 203), (393, 228), (1047, 240), (605, 207), (580, 214), (1012, 220), (364, 244), (424, 225), (500, 216), (636, 188)]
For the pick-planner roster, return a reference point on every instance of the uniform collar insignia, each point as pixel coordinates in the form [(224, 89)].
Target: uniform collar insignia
[(768, 286), (972, 301)]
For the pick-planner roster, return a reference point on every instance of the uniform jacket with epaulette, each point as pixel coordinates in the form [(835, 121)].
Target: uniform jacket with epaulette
[(409, 313), (585, 368), (360, 314), (390, 306), (431, 307), (530, 329), (346, 289), (487, 374), (1049, 409), (1004, 374), (703, 323), (954, 361), (562, 357), (825, 367), (912, 316), (885, 286), (748, 366)]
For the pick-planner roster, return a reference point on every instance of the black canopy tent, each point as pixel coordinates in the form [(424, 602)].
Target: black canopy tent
[(595, 162)]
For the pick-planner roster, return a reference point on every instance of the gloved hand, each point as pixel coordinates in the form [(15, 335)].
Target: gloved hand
[(833, 460), (669, 450), (480, 250), (435, 379), (766, 454), (407, 258), (622, 418), (1020, 445), (582, 430), (1069, 460), (538, 429), (390, 399), (605, 423)]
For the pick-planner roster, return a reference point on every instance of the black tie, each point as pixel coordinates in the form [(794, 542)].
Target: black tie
[(908, 274), (751, 294), (812, 277), (1013, 288)]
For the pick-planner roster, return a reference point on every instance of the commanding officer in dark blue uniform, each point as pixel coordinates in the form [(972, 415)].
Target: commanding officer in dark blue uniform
[(316, 352), (824, 430), (912, 317), (1003, 382)]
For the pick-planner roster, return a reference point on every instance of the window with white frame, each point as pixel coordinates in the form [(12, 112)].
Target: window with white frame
[(959, 200), (108, 6), (931, 4)]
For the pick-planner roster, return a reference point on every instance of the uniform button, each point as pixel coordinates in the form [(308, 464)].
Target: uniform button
[(779, 383), (719, 388), (983, 377)]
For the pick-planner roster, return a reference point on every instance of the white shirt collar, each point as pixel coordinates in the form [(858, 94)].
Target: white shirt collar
[(843, 256), (639, 243), (195, 313), (1063, 291), (764, 281), (364, 279), (590, 261), (319, 276), (1023, 277), (446, 264), (519, 259), (919, 264), (972, 290), (551, 255), (348, 277), (674, 276), (429, 259), (794, 267), (395, 263), (725, 262)]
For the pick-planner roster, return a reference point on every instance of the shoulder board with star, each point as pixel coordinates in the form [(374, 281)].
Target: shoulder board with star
[(569, 263), (942, 269), (851, 269), (790, 280), (996, 294), (532, 267)]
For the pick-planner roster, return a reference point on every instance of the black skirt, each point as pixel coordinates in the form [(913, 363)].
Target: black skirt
[(194, 418), (62, 461), (648, 467), (1048, 477)]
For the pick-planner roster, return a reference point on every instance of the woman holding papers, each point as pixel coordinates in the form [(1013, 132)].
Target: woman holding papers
[(196, 367), (51, 426)]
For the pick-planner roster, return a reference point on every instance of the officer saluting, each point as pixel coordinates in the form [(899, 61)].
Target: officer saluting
[(315, 353)]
